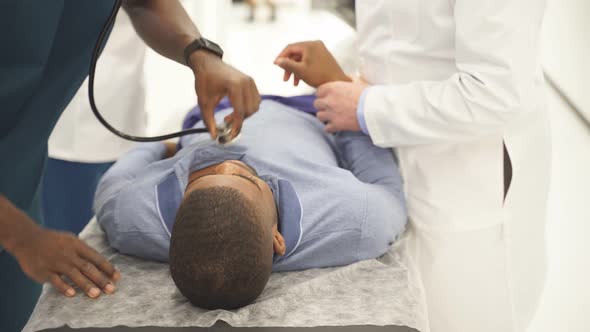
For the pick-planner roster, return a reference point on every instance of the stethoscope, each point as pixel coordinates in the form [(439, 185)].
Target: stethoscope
[(224, 130)]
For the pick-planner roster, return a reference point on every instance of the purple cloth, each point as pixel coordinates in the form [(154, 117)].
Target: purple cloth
[(302, 103)]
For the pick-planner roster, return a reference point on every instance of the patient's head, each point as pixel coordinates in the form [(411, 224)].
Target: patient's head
[(224, 237)]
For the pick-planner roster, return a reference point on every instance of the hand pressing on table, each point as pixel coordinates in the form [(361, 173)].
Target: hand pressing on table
[(49, 256)]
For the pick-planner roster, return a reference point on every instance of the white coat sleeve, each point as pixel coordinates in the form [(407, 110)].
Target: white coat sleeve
[(496, 60)]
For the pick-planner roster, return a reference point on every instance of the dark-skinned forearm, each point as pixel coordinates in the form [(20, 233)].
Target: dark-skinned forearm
[(164, 25), (13, 224)]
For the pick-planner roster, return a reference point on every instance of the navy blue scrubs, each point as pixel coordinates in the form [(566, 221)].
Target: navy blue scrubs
[(45, 49)]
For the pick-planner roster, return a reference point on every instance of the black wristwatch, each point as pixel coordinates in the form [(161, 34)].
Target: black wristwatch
[(202, 44)]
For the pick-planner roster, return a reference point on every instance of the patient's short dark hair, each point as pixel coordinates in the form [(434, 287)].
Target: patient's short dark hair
[(220, 252)]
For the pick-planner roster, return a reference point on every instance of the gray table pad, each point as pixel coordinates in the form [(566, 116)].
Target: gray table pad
[(368, 295)]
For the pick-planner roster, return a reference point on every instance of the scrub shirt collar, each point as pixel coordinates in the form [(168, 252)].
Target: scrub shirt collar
[(290, 212)]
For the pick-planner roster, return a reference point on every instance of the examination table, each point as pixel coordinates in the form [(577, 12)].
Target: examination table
[(225, 328), (369, 296)]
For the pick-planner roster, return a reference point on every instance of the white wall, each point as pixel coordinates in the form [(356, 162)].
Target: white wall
[(565, 305), (566, 302), (249, 47), (211, 17), (567, 49)]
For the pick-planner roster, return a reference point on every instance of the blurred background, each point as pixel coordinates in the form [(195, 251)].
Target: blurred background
[(252, 39), (249, 44)]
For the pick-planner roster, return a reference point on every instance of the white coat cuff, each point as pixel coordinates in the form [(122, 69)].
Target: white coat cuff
[(378, 113)]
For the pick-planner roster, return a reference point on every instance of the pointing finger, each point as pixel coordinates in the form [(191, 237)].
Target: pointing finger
[(290, 50), (291, 66), (286, 76)]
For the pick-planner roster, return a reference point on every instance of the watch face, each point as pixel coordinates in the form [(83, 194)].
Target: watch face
[(202, 44), (212, 46)]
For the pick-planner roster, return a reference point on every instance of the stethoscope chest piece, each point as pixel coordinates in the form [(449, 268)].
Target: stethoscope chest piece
[(224, 135)]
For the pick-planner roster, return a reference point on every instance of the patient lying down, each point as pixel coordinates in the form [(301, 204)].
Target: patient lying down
[(286, 196)]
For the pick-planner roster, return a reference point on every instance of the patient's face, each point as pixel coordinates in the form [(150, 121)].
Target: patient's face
[(237, 175), (231, 173)]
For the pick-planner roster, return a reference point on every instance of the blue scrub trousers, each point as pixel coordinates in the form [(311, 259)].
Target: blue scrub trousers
[(68, 193), (19, 295)]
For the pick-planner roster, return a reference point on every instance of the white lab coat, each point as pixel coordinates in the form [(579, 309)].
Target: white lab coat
[(120, 97), (453, 80)]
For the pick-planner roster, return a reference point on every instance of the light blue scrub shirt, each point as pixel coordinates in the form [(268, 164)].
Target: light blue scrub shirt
[(339, 198)]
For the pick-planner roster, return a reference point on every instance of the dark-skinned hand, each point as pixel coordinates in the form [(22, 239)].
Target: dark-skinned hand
[(310, 62), (54, 257), (214, 80)]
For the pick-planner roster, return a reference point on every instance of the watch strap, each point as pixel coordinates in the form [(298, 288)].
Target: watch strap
[(202, 44)]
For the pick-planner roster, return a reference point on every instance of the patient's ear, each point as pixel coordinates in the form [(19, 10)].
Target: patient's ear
[(278, 242)]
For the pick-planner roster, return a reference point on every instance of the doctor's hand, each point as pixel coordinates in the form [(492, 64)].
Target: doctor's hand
[(337, 105), (311, 62), (214, 80), (48, 256)]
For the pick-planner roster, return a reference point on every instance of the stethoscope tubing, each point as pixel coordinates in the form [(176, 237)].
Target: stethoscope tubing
[(91, 74)]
